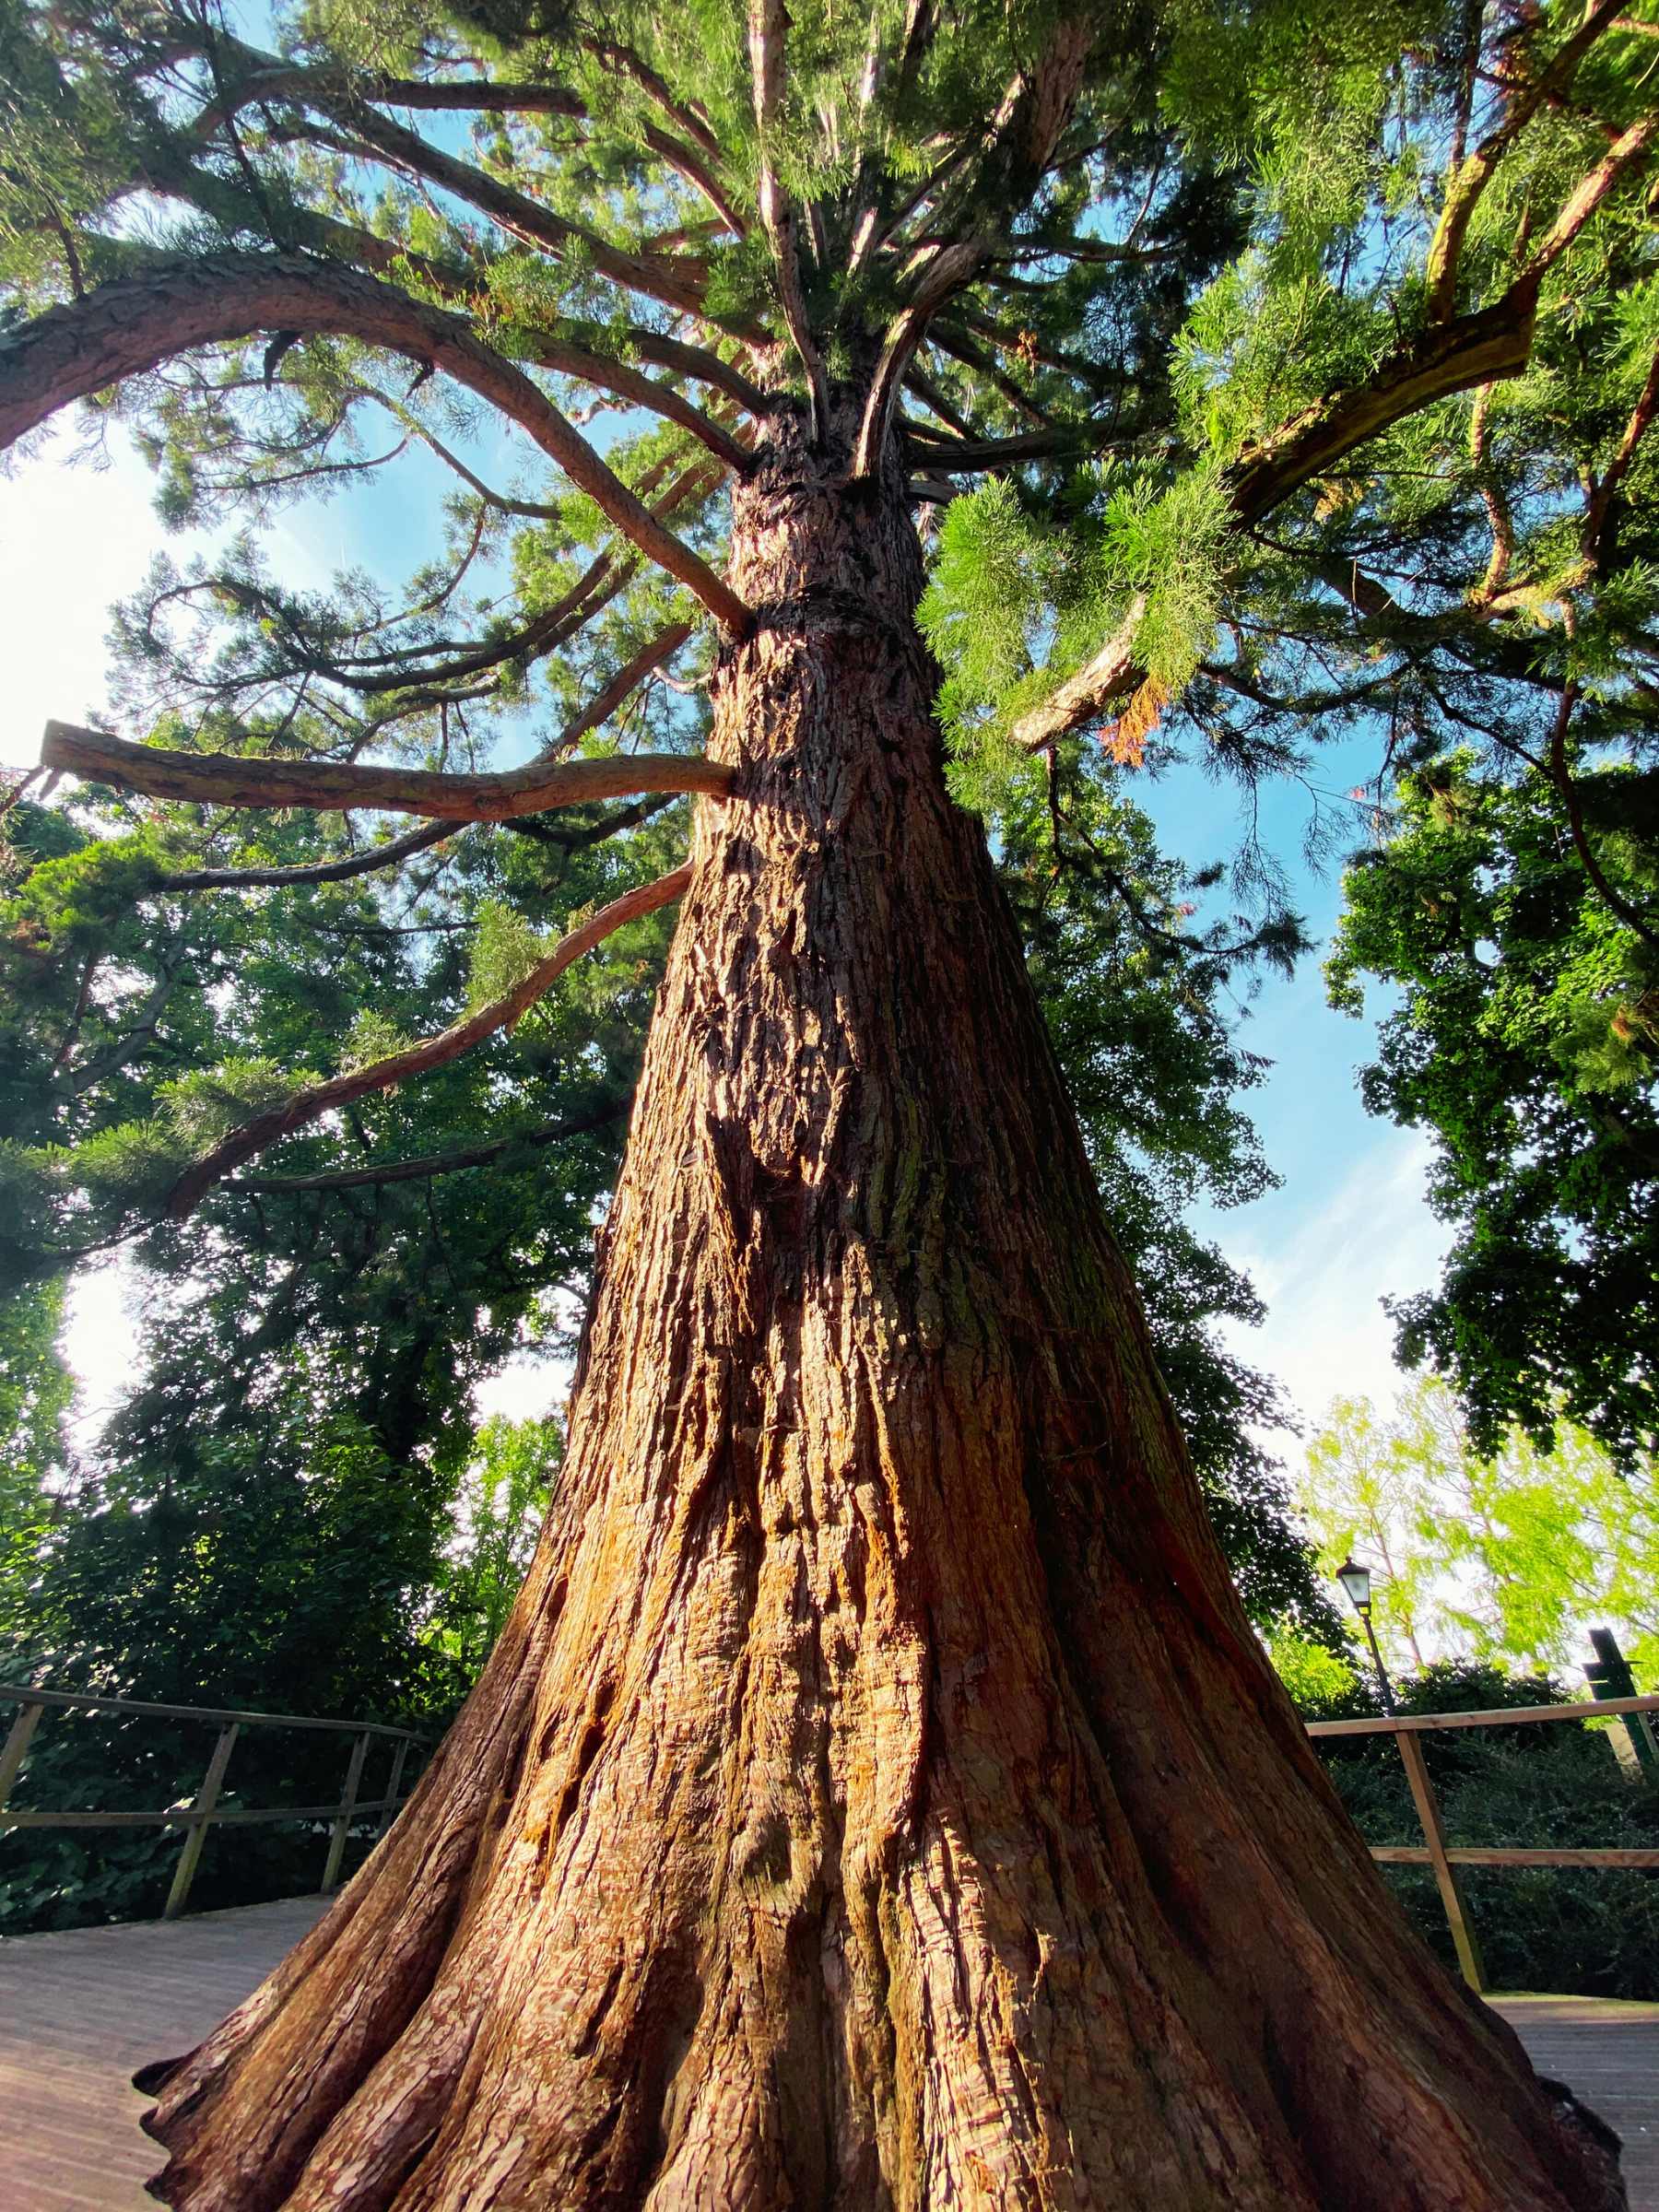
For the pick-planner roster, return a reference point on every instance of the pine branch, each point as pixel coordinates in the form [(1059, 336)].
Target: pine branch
[(976, 453), (627, 680), (303, 1107), (702, 366), (625, 62), (594, 833), (963, 348), (550, 352), (675, 280), (1079, 700), (1470, 181), (130, 326), (332, 786), (388, 855), (439, 1164), (1479, 348), (1625, 152)]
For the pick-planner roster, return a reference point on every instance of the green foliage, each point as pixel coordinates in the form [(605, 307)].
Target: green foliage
[(280, 1566), (1525, 1043), (36, 1389), (1510, 1557), (497, 1510), (1015, 601)]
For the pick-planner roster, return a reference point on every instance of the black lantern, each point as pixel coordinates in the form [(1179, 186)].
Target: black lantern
[(1355, 1581)]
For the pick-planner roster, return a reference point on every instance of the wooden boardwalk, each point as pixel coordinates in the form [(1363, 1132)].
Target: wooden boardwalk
[(80, 2011), (1608, 2054)]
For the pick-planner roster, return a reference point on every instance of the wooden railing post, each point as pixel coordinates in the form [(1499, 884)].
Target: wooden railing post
[(207, 1797), (390, 1813), (336, 1844), (1445, 1873), (17, 1744)]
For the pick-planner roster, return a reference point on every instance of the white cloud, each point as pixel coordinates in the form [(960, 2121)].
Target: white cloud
[(1325, 1274)]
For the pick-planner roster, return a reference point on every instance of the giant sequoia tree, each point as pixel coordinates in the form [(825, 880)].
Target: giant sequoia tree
[(877, 1795)]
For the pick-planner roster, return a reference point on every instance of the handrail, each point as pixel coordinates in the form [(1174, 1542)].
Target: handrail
[(1446, 1858), (204, 1813), (17, 1693), (1499, 1717)]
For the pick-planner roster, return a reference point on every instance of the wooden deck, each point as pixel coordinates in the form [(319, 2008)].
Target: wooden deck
[(80, 2011), (1608, 2054)]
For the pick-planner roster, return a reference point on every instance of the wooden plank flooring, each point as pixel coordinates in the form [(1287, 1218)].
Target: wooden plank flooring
[(80, 2011), (1608, 2054)]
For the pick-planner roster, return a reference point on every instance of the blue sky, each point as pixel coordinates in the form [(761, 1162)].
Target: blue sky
[(1348, 1223)]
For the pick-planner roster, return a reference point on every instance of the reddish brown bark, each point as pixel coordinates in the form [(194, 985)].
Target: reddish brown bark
[(877, 1797)]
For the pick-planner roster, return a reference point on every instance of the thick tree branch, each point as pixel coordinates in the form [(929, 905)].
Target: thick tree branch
[(345, 99), (1623, 154), (1600, 505), (388, 855), (676, 281), (439, 1164), (593, 833), (625, 62), (1470, 180), (549, 351), (1028, 132), (975, 453), (309, 1105), (125, 328), (1453, 357), (767, 21), (332, 786), (1081, 697), (627, 680), (702, 366)]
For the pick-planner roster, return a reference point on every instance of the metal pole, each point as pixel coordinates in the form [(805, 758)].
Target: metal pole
[(207, 1797), (17, 1744), (336, 1846), (1370, 1638)]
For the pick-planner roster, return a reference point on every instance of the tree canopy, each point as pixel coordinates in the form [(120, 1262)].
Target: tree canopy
[(1302, 367)]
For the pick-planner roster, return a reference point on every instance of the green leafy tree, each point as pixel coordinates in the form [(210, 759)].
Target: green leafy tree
[(877, 1792), (1525, 1041), (1507, 1558)]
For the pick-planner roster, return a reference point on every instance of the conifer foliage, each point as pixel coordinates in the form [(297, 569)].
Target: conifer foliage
[(876, 1796)]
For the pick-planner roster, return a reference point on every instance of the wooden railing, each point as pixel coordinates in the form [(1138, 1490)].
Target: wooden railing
[(206, 1812), (1445, 1859)]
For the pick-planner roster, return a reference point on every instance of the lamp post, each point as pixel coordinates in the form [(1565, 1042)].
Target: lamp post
[(1356, 1582)]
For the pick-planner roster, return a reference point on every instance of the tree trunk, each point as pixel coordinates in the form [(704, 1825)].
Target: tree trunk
[(877, 1797)]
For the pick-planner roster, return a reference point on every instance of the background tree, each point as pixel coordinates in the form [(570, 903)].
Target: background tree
[(877, 1639), (1506, 1559), (1525, 1041)]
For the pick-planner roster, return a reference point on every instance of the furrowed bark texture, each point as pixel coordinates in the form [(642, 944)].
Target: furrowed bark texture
[(878, 1798)]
